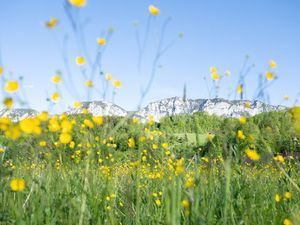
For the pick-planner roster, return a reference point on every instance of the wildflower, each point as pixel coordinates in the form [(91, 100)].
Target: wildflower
[(279, 158), (89, 83), (8, 102), (1, 70), (43, 116), (272, 64), (240, 135), (52, 23), (269, 75), (135, 120), (131, 143), (185, 204), (77, 104), (55, 97), (117, 83), (88, 123), (108, 77), (243, 120), (215, 76), (205, 159), (98, 120), (252, 154), (158, 202), (65, 138), (78, 3), (17, 184), (287, 222), (247, 105), (13, 132), (165, 145), (288, 195), (101, 41), (153, 10), (11, 86), (210, 136), (80, 61), (227, 73), (56, 79), (66, 126), (277, 198), (286, 97), (239, 89), (43, 143), (30, 126), (189, 183)]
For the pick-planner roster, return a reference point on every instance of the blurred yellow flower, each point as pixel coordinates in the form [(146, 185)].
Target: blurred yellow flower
[(77, 104), (108, 77), (117, 83), (279, 158), (17, 184), (8, 102), (158, 202), (269, 75), (11, 86), (239, 89), (131, 143), (247, 105), (1, 70), (286, 97), (55, 97), (240, 135), (80, 61), (43, 143), (288, 195), (65, 138), (287, 222), (52, 23), (88, 123), (153, 10), (43, 116), (89, 83), (277, 198), (272, 64), (101, 41), (30, 126), (185, 204), (56, 79), (252, 154), (98, 120), (210, 136), (78, 3), (215, 76), (243, 120)]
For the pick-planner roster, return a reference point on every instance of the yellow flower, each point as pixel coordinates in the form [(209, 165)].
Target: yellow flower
[(243, 120), (287, 222), (239, 89), (30, 126), (88, 123), (43, 116), (108, 77), (17, 184), (252, 154), (8, 102), (77, 104), (66, 126), (247, 105), (277, 198), (189, 183), (43, 143), (185, 204), (131, 143), (153, 10), (215, 76), (98, 120), (11, 86), (56, 79), (101, 41), (269, 75), (52, 23), (165, 145), (117, 83), (89, 83), (13, 132), (1, 70), (55, 97), (78, 3), (272, 64), (213, 69), (288, 195), (80, 61), (227, 73), (279, 158), (65, 138), (210, 136), (135, 120), (240, 135), (158, 202), (286, 97)]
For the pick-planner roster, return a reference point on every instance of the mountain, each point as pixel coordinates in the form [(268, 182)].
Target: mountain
[(164, 107), (18, 114)]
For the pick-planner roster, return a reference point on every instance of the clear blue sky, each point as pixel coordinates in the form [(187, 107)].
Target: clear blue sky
[(216, 32)]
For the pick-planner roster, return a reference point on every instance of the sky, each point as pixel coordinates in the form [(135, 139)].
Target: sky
[(216, 33)]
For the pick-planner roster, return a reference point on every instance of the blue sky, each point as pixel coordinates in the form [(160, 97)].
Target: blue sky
[(216, 33)]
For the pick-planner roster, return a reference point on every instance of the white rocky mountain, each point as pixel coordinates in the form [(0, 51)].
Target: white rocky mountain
[(164, 107)]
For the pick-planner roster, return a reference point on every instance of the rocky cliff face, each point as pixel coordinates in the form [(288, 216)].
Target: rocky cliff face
[(165, 107)]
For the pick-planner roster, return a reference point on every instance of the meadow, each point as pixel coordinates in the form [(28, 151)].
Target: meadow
[(184, 169)]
